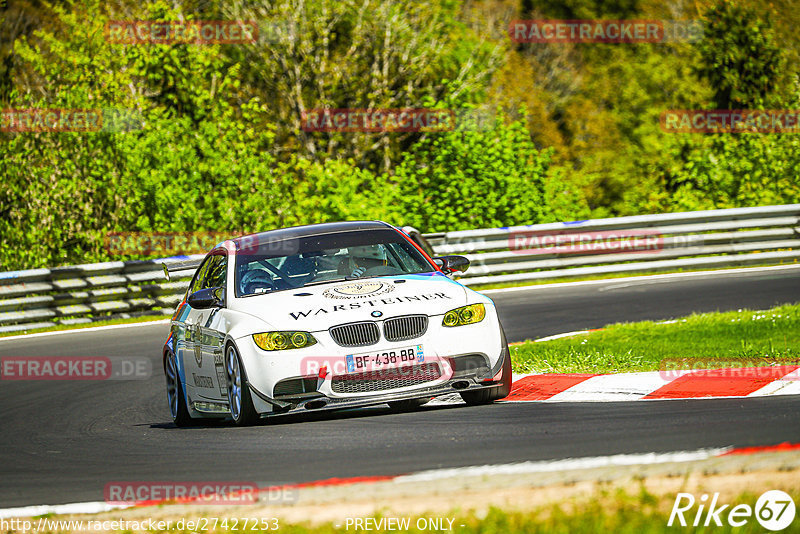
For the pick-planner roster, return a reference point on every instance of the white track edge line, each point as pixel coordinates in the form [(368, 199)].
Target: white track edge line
[(561, 465), (559, 336), (73, 508), (435, 474), (87, 329)]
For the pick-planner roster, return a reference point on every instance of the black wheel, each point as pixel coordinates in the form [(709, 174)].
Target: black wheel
[(239, 399), (177, 401), (485, 396), (407, 405)]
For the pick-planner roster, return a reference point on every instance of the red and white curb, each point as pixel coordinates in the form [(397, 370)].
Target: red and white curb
[(717, 383), (519, 468), (656, 385)]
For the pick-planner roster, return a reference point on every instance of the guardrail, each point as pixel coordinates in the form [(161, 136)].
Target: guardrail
[(76, 294), (641, 243), (646, 243)]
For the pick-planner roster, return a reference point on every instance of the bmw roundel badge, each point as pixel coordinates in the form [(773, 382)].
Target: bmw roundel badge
[(376, 313)]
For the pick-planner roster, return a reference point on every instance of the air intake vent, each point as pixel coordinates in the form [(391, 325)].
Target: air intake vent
[(386, 379), (402, 328), (355, 334)]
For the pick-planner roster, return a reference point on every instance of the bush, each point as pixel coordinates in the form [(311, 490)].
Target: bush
[(463, 179)]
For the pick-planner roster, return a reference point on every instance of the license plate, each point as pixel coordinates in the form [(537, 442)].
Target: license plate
[(385, 359)]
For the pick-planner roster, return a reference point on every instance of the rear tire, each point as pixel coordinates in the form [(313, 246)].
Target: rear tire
[(239, 399), (488, 395), (175, 396)]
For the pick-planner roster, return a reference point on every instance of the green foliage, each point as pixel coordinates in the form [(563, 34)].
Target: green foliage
[(466, 178), (63, 192), (746, 69), (728, 171), (331, 191), (373, 54), (217, 143), (740, 57)]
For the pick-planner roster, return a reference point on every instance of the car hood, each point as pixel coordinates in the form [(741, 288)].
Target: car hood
[(319, 307)]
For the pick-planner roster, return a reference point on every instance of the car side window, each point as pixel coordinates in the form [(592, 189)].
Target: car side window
[(217, 271), (200, 275), (211, 273)]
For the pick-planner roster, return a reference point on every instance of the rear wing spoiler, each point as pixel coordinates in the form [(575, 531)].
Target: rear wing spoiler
[(181, 267)]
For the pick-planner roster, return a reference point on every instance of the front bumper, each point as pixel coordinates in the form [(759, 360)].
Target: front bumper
[(324, 363), (325, 403)]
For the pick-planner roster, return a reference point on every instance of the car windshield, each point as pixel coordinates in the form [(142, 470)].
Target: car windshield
[(299, 262)]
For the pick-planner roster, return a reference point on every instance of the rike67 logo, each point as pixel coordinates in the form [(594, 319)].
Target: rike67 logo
[(774, 510)]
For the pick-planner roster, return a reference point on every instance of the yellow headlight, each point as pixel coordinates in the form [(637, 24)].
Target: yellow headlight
[(279, 340), (450, 318), (299, 339), (474, 313), (283, 340)]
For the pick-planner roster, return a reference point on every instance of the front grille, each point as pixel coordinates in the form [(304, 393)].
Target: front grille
[(355, 334), (386, 379), (402, 328)]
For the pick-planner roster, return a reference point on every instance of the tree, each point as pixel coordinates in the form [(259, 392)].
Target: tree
[(470, 178), (179, 168), (365, 54), (740, 58)]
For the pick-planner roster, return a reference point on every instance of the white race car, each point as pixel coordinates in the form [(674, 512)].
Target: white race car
[(329, 316)]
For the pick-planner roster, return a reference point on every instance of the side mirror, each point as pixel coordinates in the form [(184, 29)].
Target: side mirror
[(211, 297), (451, 264)]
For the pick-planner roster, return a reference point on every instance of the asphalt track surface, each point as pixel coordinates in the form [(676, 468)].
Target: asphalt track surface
[(62, 442)]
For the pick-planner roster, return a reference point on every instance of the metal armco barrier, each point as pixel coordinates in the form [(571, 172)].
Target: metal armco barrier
[(639, 244), (39, 298)]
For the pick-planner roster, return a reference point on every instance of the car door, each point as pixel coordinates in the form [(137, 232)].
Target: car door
[(184, 332), (202, 354), (212, 335)]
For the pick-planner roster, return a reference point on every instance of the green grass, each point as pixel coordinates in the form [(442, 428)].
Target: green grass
[(754, 337), (58, 327)]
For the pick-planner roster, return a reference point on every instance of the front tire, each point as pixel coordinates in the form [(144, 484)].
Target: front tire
[(175, 396), (239, 400)]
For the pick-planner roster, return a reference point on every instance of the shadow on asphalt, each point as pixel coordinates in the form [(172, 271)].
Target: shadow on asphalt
[(310, 417)]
